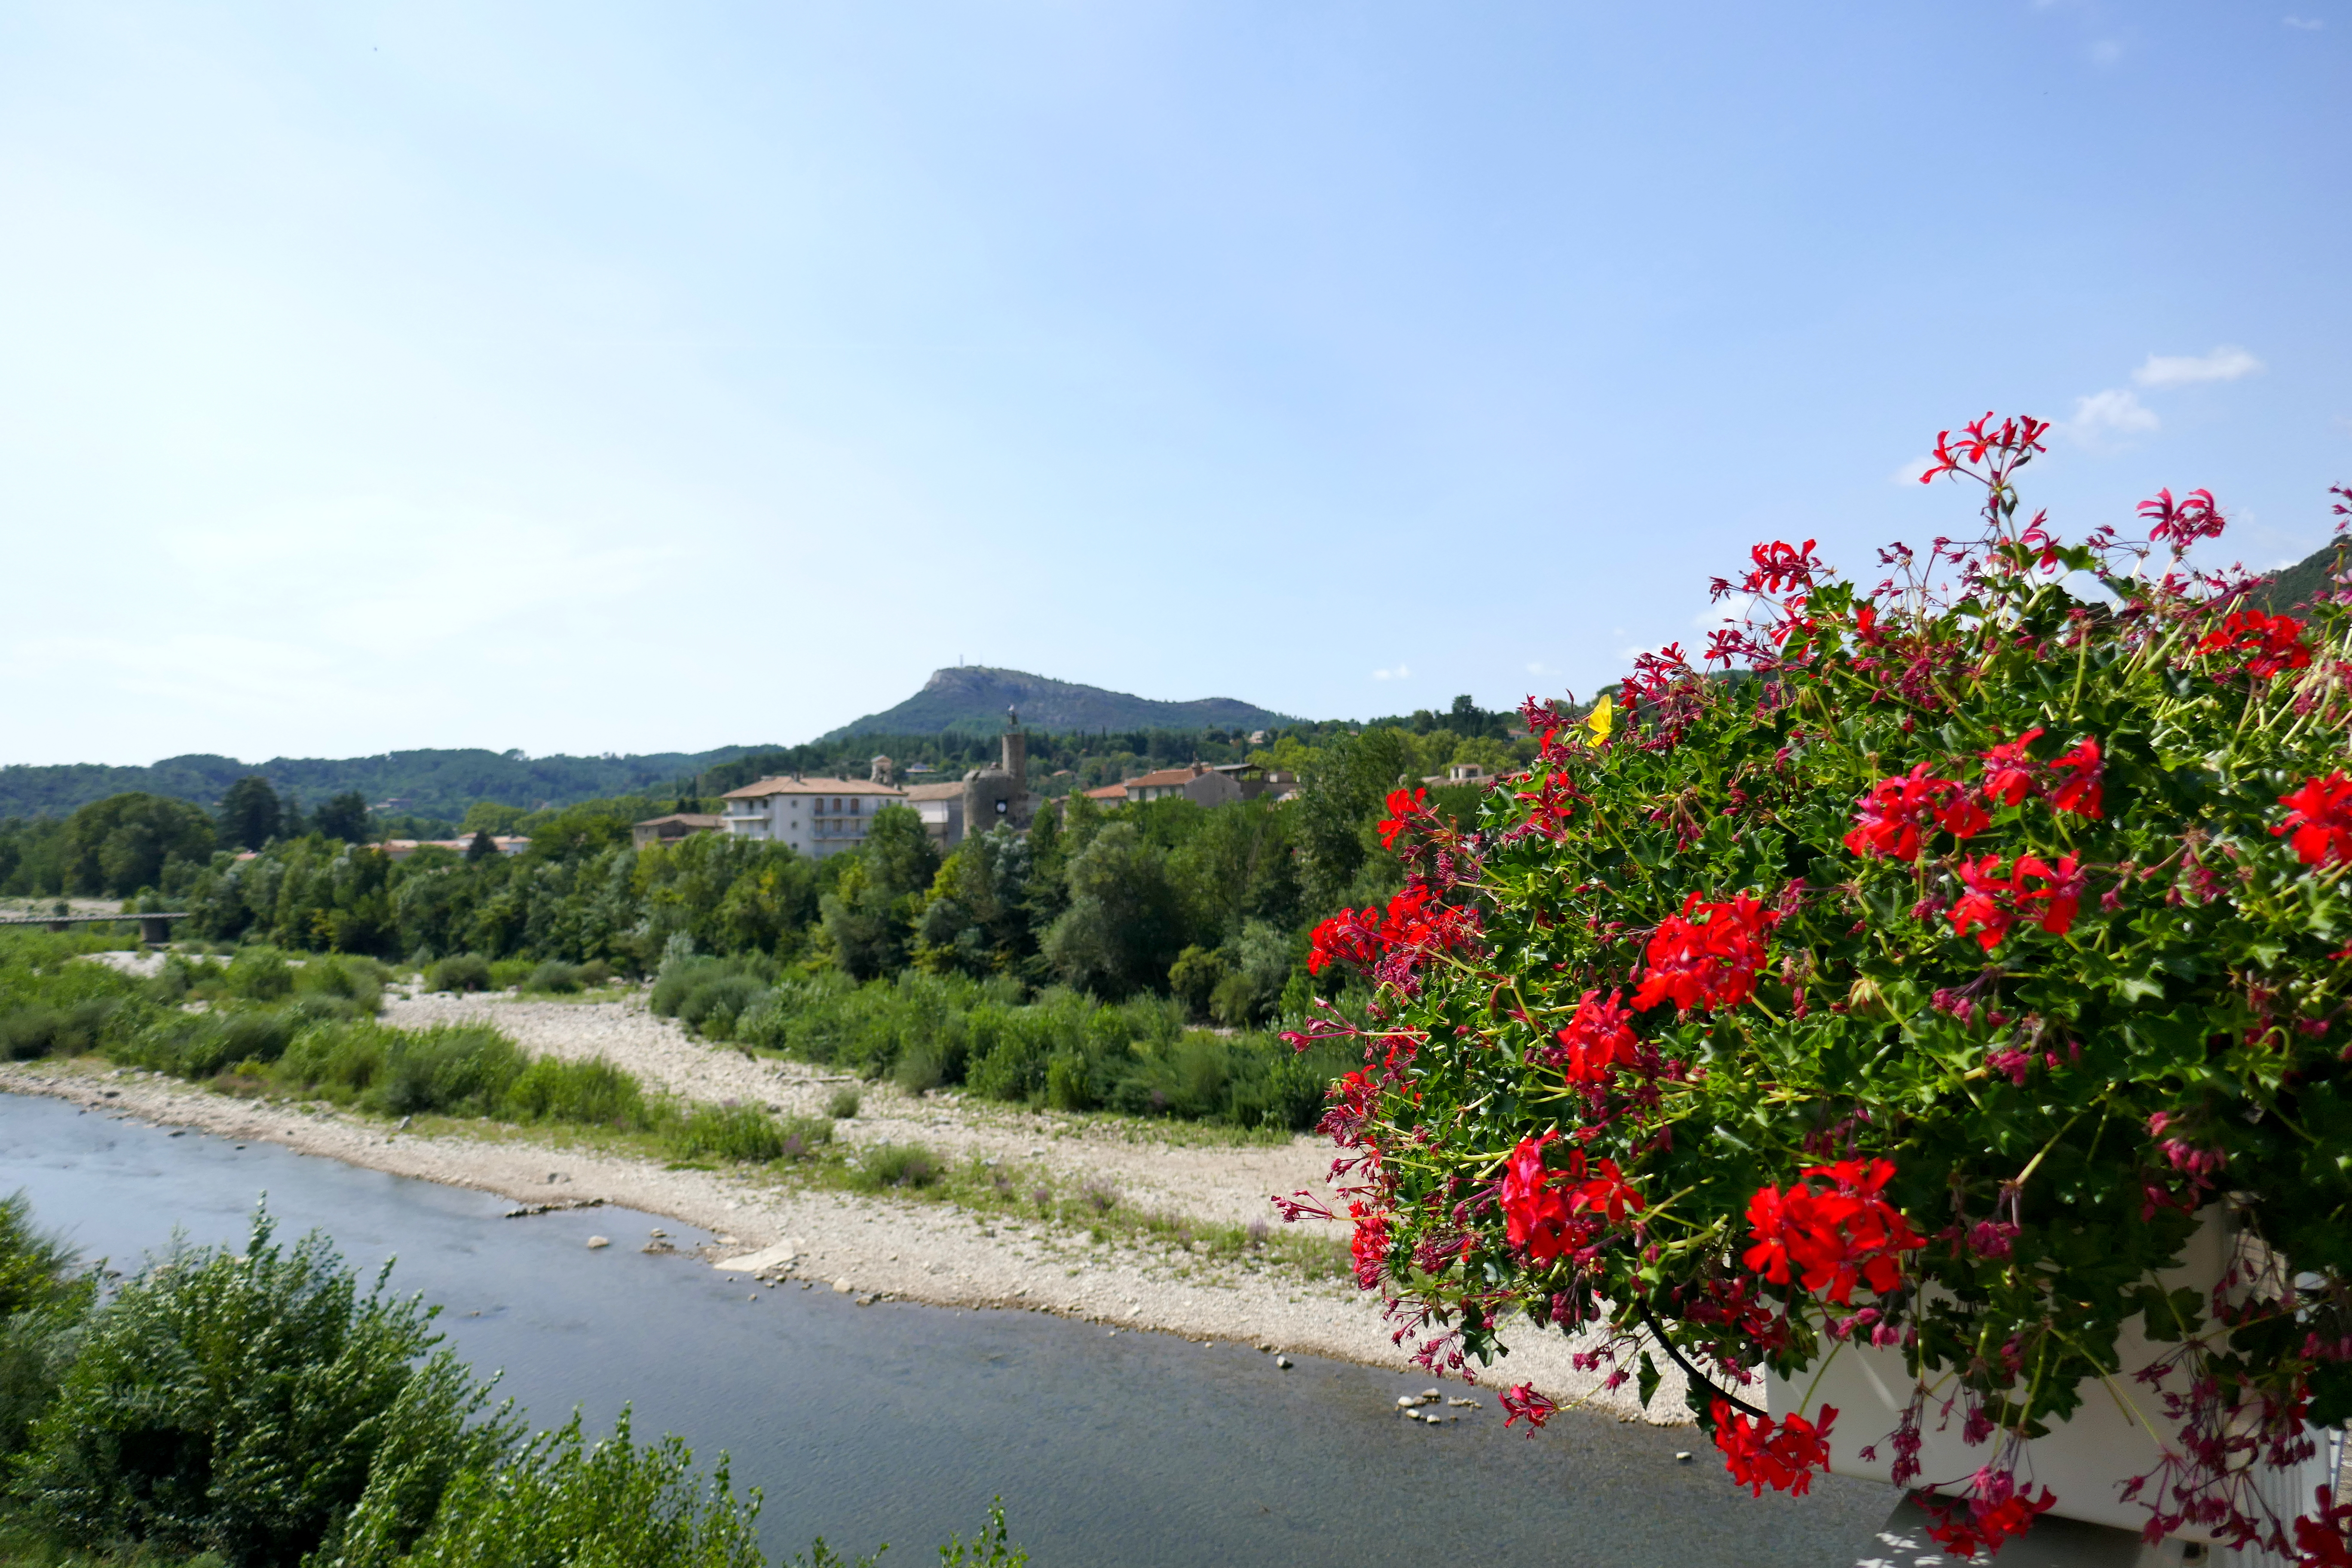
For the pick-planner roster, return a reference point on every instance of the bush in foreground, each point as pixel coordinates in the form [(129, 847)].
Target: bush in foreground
[(261, 1409)]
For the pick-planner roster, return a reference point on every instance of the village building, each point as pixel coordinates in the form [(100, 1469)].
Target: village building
[(817, 816), (671, 829)]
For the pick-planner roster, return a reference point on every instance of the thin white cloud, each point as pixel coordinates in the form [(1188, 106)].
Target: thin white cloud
[(2115, 414), (1908, 473), (1399, 673), (2304, 24), (2224, 364)]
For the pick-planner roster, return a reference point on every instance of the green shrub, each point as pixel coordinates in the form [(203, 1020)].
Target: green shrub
[(458, 1069), (843, 1102), (459, 972), (259, 974), (44, 1031), (918, 1070), (716, 1001), (42, 1302), (561, 1499), (199, 1045), (743, 1132), (507, 974), (897, 1165), (593, 1092), (243, 1404), (554, 976), (804, 1135)]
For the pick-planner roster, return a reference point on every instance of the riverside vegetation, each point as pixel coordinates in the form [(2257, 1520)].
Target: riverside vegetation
[(263, 1408), (259, 1025)]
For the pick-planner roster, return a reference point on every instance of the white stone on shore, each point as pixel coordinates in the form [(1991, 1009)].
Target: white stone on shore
[(596, 1241), (759, 1262), (844, 1285)]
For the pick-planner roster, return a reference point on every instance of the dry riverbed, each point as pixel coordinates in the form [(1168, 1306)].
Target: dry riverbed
[(873, 1246)]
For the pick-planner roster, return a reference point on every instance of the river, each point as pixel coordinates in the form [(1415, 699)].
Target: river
[(897, 1422)]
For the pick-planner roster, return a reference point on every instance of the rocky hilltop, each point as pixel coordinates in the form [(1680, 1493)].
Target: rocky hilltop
[(974, 697)]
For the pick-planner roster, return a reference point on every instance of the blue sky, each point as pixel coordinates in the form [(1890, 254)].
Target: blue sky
[(624, 378)]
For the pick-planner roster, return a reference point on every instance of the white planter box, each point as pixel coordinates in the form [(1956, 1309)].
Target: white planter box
[(2084, 1461)]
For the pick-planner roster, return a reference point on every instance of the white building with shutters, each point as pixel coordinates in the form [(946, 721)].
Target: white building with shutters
[(817, 816)]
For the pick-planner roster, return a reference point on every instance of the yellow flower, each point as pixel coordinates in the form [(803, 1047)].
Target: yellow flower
[(1603, 714)]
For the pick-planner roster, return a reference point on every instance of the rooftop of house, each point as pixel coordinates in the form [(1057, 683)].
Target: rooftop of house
[(934, 792), (1167, 778), (1108, 792), (767, 787), (683, 819)]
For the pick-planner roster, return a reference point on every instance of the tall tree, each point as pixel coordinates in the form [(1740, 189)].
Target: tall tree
[(344, 818), (126, 842), (249, 814)]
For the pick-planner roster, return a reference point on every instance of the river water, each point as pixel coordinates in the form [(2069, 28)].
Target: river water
[(898, 1421)]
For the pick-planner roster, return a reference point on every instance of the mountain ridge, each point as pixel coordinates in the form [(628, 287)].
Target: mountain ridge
[(974, 697)]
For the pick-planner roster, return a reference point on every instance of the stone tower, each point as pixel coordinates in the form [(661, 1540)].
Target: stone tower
[(1000, 794)]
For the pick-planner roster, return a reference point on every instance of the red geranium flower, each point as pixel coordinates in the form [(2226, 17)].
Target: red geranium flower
[(1522, 1401), (1536, 1214), (1606, 1193), (2009, 769), (1599, 1040), (1888, 820), (2271, 644), (1368, 1246), (1402, 805), (2319, 818), (1759, 1456), (1993, 902), (1993, 1513), (1707, 962), (2321, 1540), (2081, 793), (1832, 1238)]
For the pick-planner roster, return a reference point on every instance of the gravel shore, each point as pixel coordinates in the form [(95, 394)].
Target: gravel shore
[(872, 1246)]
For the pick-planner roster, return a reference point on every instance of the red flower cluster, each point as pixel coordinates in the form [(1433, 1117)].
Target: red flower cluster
[(1838, 1238), (1414, 925), (1403, 805), (1784, 1459), (2013, 441), (1540, 1205), (2183, 523), (2081, 793), (2271, 644), (1368, 1246), (1536, 1217), (2009, 769), (2011, 775), (1890, 814), (2319, 818), (1522, 1400), (2320, 1541), (1709, 960), (1993, 902), (1597, 1041), (1993, 1513)]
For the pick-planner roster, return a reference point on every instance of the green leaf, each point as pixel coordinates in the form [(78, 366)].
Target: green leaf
[(1647, 1379)]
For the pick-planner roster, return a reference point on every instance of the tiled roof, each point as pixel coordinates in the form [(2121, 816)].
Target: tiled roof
[(689, 819), (1108, 792), (766, 787), (934, 792), (1166, 778)]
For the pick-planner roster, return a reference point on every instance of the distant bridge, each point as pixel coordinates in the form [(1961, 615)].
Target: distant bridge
[(154, 928)]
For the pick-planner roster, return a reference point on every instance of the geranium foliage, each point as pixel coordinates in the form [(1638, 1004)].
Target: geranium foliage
[(1915, 980)]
